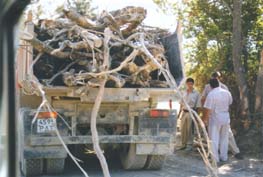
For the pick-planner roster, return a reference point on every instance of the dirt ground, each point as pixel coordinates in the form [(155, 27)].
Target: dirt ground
[(180, 164)]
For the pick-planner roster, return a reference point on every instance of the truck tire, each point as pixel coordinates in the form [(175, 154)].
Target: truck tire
[(55, 166), (155, 162), (32, 167), (131, 161)]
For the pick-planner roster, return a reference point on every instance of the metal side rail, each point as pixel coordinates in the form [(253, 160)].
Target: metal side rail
[(40, 141)]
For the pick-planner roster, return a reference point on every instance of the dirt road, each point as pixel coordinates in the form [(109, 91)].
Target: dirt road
[(181, 164)]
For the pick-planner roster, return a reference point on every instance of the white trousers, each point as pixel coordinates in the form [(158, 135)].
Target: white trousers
[(219, 138), (232, 143)]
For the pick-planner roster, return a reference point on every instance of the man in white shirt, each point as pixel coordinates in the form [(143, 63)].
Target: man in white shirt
[(232, 142), (193, 99), (217, 109), (207, 89)]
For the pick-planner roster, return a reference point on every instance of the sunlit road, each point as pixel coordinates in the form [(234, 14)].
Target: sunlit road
[(181, 164)]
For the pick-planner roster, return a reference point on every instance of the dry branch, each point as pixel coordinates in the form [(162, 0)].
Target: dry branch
[(94, 132)]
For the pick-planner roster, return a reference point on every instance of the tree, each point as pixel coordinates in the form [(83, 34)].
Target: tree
[(236, 56), (210, 24), (220, 35), (82, 7), (259, 87)]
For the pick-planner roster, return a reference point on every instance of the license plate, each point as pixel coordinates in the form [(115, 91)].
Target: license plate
[(46, 125)]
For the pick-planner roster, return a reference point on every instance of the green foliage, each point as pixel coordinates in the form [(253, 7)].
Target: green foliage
[(82, 6), (209, 23), (208, 46), (167, 6), (40, 10)]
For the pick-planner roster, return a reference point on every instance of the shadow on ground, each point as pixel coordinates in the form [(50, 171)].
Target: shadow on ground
[(180, 164)]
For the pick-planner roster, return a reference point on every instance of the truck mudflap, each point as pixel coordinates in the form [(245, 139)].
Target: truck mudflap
[(155, 149), (157, 127), (26, 151), (44, 152)]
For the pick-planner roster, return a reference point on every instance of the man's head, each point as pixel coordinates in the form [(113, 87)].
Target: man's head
[(190, 83), (216, 75), (214, 83)]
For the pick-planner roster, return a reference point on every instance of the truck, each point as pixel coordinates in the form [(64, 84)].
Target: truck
[(128, 120)]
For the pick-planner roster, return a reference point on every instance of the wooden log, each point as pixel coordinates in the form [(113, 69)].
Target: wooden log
[(129, 14), (130, 28), (69, 79), (130, 68), (108, 20), (106, 56), (117, 79), (119, 68), (75, 45), (42, 47), (81, 20), (61, 23), (129, 18), (91, 38)]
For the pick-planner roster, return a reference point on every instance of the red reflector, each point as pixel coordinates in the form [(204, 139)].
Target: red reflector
[(42, 115), (154, 113), (157, 113)]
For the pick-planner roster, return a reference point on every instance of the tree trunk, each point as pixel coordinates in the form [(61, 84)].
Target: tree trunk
[(259, 93), (236, 54), (259, 86)]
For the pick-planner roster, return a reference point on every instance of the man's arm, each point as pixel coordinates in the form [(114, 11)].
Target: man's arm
[(206, 115), (198, 104), (204, 94), (180, 111), (203, 100), (207, 109), (230, 98)]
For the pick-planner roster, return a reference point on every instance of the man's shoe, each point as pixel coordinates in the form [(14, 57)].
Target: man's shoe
[(182, 148), (239, 156), (222, 162), (189, 148)]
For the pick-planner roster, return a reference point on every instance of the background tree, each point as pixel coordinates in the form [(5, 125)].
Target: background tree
[(236, 56), (214, 41), (82, 7), (210, 25)]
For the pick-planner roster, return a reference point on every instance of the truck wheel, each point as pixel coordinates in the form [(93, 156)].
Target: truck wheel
[(32, 167), (131, 161), (155, 162), (55, 166)]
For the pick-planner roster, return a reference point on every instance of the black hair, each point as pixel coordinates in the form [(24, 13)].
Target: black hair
[(189, 79), (214, 83), (216, 74)]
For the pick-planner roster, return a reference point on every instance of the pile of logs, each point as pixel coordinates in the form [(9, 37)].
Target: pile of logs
[(74, 50)]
